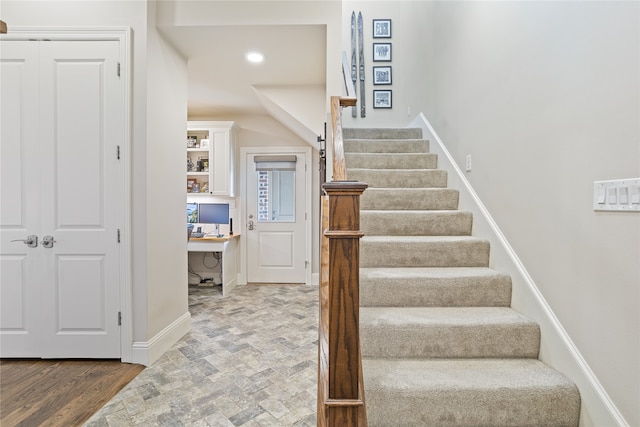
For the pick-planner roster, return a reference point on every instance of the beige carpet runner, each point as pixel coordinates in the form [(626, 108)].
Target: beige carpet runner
[(441, 345)]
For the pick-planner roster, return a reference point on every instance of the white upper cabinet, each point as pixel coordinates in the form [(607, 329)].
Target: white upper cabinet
[(210, 159)]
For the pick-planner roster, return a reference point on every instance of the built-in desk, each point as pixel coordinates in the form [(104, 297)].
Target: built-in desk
[(228, 247)]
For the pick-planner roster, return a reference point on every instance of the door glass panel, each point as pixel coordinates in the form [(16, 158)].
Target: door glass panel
[(276, 196)]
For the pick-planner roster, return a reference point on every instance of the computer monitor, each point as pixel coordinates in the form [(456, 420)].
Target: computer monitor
[(213, 213), (192, 213)]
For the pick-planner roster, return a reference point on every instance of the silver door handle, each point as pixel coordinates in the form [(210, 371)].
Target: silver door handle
[(48, 241), (31, 240), (250, 225)]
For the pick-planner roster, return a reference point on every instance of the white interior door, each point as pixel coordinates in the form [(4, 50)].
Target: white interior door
[(20, 275), (275, 218), (61, 300)]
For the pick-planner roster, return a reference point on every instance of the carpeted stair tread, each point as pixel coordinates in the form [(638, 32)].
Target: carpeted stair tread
[(409, 198), (447, 332), (386, 146), (391, 161), (468, 392), (396, 178), (382, 133), (423, 251), (416, 222), (434, 287)]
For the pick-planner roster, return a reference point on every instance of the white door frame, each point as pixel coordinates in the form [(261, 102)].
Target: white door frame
[(244, 152), (123, 36)]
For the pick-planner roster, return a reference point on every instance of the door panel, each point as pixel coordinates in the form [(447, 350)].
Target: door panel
[(78, 144), (80, 278), (276, 249), (13, 298)]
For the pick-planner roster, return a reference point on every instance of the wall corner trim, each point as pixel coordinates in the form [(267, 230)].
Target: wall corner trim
[(147, 352)]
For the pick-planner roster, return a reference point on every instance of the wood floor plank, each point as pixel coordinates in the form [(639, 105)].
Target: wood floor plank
[(23, 373), (16, 417), (66, 382), (103, 382), (25, 378), (58, 392), (51, 389)]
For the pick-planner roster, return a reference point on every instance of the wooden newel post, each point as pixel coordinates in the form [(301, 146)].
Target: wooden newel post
[(344, 236)]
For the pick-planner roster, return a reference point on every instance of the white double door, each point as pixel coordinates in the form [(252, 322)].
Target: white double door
[(277, 201), (59, 135)]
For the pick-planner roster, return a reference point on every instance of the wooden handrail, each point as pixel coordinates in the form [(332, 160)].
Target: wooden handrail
[(339, 165), (340, 384), (348, 83)]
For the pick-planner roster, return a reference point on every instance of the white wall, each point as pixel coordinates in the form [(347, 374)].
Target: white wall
[(411, 43), (260, 12), (165, 193), (545, 96)]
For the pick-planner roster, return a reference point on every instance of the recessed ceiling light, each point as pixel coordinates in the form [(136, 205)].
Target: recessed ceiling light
[(255, 57)]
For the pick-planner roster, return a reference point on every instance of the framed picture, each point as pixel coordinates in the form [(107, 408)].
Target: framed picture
[(192, 141), (190, 184), (382, 28), (381, 99), (382, 75), (382, 52)]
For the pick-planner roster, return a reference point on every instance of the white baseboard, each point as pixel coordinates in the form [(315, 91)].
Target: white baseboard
[(147, 352), (315, 279), (557, 348)]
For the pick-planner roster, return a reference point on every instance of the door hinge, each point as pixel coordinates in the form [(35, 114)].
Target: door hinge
[(118, 235), (118, 152), (118, 69), (119, 318)]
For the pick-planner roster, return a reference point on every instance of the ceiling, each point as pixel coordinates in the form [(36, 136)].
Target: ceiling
[(223, 82)]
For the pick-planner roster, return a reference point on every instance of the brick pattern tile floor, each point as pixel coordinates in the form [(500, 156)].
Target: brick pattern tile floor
[(250, 360)]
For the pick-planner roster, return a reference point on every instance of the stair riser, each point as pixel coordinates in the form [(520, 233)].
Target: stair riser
[(400, 178), (392, 223), (419, 254), (386, 146), (478, 408), (388, 133), (464, 292), (450, 341), (423, 198), (468, 392), (391, 161)]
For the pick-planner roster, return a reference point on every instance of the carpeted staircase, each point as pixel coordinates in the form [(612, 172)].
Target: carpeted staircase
[(440, 344)]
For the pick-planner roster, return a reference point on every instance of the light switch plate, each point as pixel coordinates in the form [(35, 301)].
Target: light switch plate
[(617, 195)]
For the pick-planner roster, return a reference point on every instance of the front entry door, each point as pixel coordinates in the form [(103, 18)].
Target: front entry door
[(275, 218), (59, 177)]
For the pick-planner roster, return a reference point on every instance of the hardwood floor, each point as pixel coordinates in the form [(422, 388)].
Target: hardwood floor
[(58, 392)]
